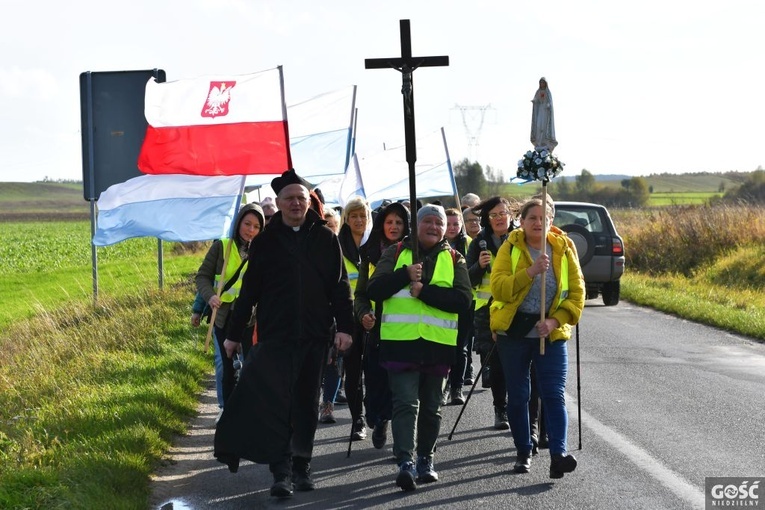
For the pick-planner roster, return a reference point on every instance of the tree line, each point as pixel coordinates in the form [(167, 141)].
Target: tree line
[(633, 192)]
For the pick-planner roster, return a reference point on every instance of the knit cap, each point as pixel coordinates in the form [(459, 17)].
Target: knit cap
[(431, 210)]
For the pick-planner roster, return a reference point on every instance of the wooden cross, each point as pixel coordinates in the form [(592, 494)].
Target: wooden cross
[(406, 64)]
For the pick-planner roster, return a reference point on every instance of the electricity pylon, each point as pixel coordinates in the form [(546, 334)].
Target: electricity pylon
[(473, 118)]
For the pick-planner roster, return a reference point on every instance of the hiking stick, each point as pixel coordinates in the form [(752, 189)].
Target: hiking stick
[(221, 283), (470, 393), (578, 387)]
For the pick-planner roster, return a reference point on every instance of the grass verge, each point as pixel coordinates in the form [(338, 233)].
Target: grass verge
[(91, 398), (733, 308)]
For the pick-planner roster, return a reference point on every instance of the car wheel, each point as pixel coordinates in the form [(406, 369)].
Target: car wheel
[(611, 293), (583, 240)]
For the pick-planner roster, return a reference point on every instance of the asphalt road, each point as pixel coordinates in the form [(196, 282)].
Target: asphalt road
[(664, 404)]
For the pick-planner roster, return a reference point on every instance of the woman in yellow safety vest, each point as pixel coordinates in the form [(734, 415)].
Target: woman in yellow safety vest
[(391, 225), (516, 284), (420, 302), (357, 218), (249, 223)]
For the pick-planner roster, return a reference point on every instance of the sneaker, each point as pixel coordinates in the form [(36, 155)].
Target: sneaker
[(326, 413), (407, 476), (301, 474), (359, 430), (380, 434), (425, 471), (341, 398), (282, 487), (500, 419), (456, 398), (560, 464)]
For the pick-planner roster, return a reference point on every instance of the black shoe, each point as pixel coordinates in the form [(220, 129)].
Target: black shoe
[(380, 434), (407, 476), (282, 488), (301, 474), (522, 463), (302, 482), (359, 430), (534, 445), (543, 444), (485, 378), (341, 398), (500, 419), (456, 398), (560, 464)]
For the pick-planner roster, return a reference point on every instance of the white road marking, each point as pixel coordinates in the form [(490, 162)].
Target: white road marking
[(643, 460)]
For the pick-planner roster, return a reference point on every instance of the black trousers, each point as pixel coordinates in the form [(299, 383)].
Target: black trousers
[(352, 367)]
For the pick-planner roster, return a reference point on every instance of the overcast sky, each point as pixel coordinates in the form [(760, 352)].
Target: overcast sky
[(638, 87)]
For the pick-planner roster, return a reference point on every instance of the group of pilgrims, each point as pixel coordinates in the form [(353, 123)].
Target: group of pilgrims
[(474, 287)]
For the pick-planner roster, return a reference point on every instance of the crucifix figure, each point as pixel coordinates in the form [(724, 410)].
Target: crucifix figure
[(406, 65)]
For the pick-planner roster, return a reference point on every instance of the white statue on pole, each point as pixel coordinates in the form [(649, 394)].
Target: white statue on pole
[(542, 120)]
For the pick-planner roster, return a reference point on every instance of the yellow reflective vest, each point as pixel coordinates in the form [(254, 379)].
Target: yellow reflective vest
[(353, 273), (483, 290), (234, 261), (408, 318)]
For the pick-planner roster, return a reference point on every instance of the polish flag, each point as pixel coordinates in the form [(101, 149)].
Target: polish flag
[(235, 125)]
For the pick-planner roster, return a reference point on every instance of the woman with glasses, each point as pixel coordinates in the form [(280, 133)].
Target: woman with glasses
[(497, 214), (472, 223)]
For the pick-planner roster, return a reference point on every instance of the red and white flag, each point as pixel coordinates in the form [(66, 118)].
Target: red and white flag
[(234, 125)]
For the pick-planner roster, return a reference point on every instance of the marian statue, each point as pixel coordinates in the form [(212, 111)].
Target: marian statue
[(542, 120)]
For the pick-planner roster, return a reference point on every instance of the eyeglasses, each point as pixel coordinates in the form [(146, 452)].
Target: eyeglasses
[(495, 215), (473, 221)]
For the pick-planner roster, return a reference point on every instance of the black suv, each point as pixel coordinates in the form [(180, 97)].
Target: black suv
[(600, 248)]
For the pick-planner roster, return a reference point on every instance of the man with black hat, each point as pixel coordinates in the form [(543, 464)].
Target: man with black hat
[(297, 279)]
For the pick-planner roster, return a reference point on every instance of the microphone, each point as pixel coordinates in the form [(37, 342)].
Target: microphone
[(482, 245)]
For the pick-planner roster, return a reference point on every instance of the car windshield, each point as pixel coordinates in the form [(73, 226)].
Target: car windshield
[(587, 218)]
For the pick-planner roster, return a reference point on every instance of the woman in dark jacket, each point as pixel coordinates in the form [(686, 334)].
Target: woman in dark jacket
[(391, 225), (496, 221), (249, 223)]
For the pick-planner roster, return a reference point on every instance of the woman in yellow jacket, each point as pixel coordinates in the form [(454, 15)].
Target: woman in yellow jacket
[(515, 320)]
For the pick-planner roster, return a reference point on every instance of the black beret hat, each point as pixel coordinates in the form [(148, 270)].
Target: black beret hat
[(287, 178)]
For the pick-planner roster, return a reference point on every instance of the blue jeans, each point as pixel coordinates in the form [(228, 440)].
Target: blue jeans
[(551, 370), (331, 380), (218, 369)]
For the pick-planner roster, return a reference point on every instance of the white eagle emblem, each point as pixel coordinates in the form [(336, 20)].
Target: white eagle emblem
[(218, 99)]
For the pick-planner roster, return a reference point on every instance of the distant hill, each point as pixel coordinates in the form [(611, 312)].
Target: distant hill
[(34, 201)]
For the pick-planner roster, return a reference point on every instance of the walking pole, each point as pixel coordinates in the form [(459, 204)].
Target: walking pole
[(219, 291), (358, 388), (470, 393), (578, 387)]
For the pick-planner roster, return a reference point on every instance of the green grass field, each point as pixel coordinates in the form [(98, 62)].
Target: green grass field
[(660, 199), (47, 264)]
